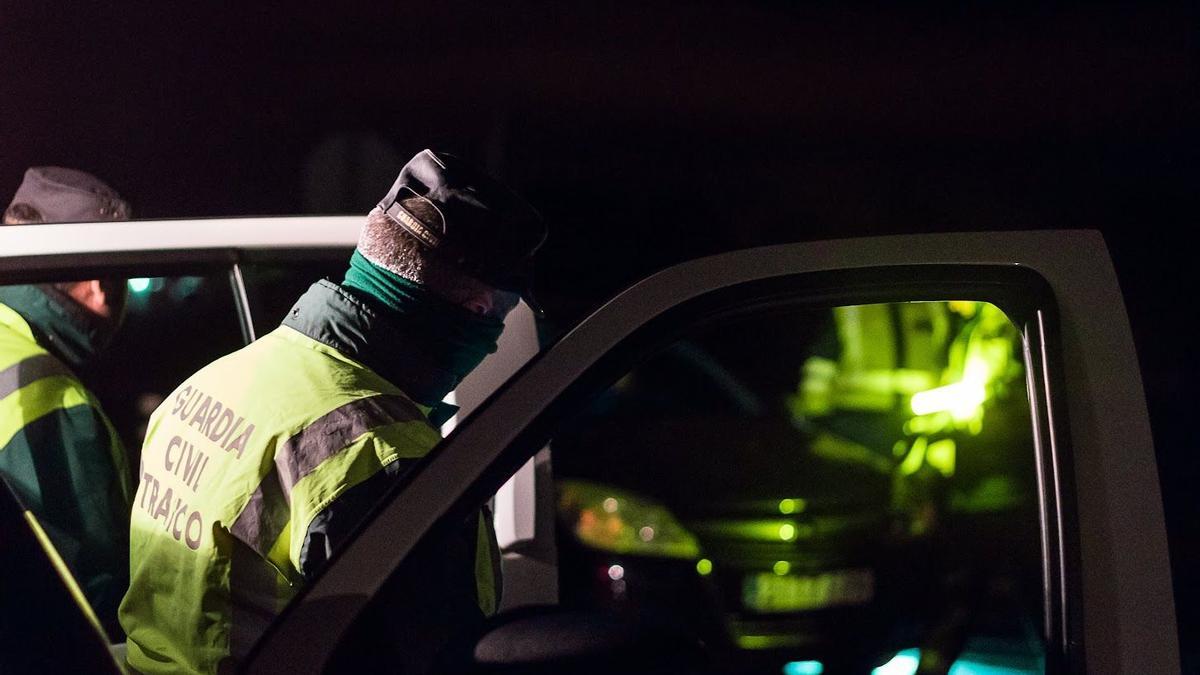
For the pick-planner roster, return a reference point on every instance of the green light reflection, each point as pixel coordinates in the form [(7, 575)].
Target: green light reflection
[(790, 506)]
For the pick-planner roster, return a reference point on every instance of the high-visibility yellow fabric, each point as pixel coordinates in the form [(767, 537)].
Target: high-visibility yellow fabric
[(37, 399), (13, 321), (244, 454), (408, 439), (43, 396), (65, 460), (487, 580)]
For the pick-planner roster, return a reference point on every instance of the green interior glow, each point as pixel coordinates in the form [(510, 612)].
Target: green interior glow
[(941, 456), (790, 506), (782, 567), (915, 458), (961, 399), (983, 367), (767, 529), (704, 566)]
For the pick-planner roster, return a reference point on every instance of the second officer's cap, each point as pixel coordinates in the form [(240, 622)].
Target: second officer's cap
[(62, 195)]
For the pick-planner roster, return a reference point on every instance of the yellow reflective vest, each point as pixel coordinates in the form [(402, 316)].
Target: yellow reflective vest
[(237, 464), (65, 461)]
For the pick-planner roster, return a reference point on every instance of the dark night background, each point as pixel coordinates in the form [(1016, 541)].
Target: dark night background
[(649, 133)]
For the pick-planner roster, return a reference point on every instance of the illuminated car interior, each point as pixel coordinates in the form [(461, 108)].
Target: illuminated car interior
[(816, 491)]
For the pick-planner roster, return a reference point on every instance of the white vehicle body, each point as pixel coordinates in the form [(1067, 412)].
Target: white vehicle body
[(1108, 597)]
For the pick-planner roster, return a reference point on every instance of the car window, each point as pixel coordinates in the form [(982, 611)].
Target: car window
[(812, 491), (273, 287), (172, 326), (853, 486), (72, 447)]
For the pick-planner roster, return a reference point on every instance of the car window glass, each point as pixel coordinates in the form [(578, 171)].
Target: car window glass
[(846, 488), (172, 326), (272, 288), (59, 453)]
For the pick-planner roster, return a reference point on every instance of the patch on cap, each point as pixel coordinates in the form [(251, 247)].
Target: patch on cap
[(419, 216), (472, 221)]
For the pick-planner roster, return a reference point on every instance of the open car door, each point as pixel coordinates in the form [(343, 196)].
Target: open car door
[(46, 625), (1104, 598)]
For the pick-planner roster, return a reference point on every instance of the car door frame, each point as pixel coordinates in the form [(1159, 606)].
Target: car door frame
[(1107, 573)]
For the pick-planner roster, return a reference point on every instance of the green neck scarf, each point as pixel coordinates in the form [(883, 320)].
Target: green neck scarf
[(453, 338)]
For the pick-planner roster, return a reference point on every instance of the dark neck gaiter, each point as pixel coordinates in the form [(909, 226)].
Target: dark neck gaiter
[(451, 337)]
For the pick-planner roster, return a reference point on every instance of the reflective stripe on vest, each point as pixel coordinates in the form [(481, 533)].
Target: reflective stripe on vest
[(32, 381), (33, 384), (38, 383), (301, 454)]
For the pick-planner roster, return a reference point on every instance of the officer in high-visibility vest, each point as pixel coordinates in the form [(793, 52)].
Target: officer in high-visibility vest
[(894, 375), (256, 469), (897, 387), (58, 450), (854, 391)]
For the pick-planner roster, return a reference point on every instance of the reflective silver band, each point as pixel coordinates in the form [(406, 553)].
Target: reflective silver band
[(30, 370), (265, 516)]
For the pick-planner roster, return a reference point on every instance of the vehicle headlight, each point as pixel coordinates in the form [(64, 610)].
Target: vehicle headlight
[(610, 519)]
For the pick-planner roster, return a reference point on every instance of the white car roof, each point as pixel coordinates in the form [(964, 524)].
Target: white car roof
[(286, 232)]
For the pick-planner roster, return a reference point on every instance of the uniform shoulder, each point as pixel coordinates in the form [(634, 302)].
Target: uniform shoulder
[(16, 338)]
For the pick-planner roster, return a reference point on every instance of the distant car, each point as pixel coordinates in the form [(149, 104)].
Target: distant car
[(1103, 599)]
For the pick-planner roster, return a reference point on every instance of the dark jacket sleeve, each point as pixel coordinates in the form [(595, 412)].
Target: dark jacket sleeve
[(62, 467), (335, 523), (416, 613)]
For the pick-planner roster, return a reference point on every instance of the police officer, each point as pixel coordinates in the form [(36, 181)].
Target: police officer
[(898, 383), (898, 387), (57, 449), (257, 467)]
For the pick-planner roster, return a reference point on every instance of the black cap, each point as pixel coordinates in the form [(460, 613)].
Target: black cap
[(469, 219), (62, 195)]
